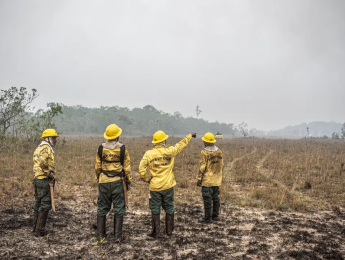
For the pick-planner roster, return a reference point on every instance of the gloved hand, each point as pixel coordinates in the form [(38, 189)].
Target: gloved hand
[(199, 183), (193, 135), (51, 176), (128, 183), (149, 179)]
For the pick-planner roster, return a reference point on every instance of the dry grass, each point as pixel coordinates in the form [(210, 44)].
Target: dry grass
[(274, 174)]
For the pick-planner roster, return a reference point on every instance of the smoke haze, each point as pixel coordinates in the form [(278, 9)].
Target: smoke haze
[(267, 63)]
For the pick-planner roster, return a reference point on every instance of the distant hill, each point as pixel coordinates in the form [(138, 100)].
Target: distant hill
[(317, 129)]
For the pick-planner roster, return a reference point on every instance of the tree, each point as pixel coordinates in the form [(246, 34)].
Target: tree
[(242, 128), (197, 111), (150, 108), (253, 132), (125, 121), (32, 127), (16, 114), (14, 103), (343, 131), (140, 124), (335, 135), (178, 114)]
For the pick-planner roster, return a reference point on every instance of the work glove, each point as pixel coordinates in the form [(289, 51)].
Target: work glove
[(51, 177), (149, 179), (199, 183), (128, 184), (193, 135)]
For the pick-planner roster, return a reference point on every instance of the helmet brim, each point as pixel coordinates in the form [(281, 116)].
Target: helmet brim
[(162, 140), (208, 141), (42, 137), (113, 137)]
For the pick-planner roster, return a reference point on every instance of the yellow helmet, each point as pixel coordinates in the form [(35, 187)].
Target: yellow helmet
[(209, 138), (159, 136), (112, 132), (49, 133)]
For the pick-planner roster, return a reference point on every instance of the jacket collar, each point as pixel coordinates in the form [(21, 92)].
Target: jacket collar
[(46, 143), (212, 148), (112, 144), (160, 146)]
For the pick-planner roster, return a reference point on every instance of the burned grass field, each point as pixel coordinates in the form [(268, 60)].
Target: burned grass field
[(280, 199)]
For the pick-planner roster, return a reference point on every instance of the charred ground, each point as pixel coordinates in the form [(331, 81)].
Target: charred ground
[(242, 234), (268, 210)]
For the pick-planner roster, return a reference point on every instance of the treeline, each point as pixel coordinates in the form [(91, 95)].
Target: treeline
[(17, 118), (138, 121)]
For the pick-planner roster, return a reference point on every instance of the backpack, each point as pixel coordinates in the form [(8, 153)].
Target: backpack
[(122, 158)]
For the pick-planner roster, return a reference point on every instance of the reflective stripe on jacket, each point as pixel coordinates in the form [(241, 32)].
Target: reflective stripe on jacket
[(211, 168), (43, 161), (160, 161)]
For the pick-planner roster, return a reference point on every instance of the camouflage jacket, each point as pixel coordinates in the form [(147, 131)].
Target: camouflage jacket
[(111, 152), (211, 167), (160, 161), (43, 161)]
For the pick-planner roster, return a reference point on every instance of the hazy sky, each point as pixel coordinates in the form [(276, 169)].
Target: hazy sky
[(268, 63)]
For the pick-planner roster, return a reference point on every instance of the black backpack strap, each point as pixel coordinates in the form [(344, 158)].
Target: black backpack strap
[(122, 154), (100, 152), (122, 159)]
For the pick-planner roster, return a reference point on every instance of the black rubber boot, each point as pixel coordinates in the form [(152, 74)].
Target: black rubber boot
[(173, 223), (155, 226), (101, 227), (34, 221), (118, 223), (41, 224), (169, 224), (216, 207), (207, 219)]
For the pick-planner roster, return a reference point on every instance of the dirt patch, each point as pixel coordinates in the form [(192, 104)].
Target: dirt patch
[(241, 234)]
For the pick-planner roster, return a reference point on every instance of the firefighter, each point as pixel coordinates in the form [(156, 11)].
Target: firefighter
[(210, 177), (160, 161), (44, 172), (112, 164)]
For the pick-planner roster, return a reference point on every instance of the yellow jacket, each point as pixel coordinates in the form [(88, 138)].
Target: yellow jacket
[(43, 161), (160, 161), (111, 152), (211, 167)]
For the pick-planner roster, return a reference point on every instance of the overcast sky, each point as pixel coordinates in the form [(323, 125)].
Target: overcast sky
[(268, 63)]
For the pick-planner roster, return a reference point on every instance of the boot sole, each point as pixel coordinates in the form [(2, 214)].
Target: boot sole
[(153, 236), (40, 235)]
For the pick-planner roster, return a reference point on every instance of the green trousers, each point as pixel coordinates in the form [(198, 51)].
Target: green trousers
[(210, 195), (108, 193), (165, 199), (42, 195)]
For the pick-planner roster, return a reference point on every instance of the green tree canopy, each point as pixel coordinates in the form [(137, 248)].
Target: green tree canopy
[(138, 121)]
